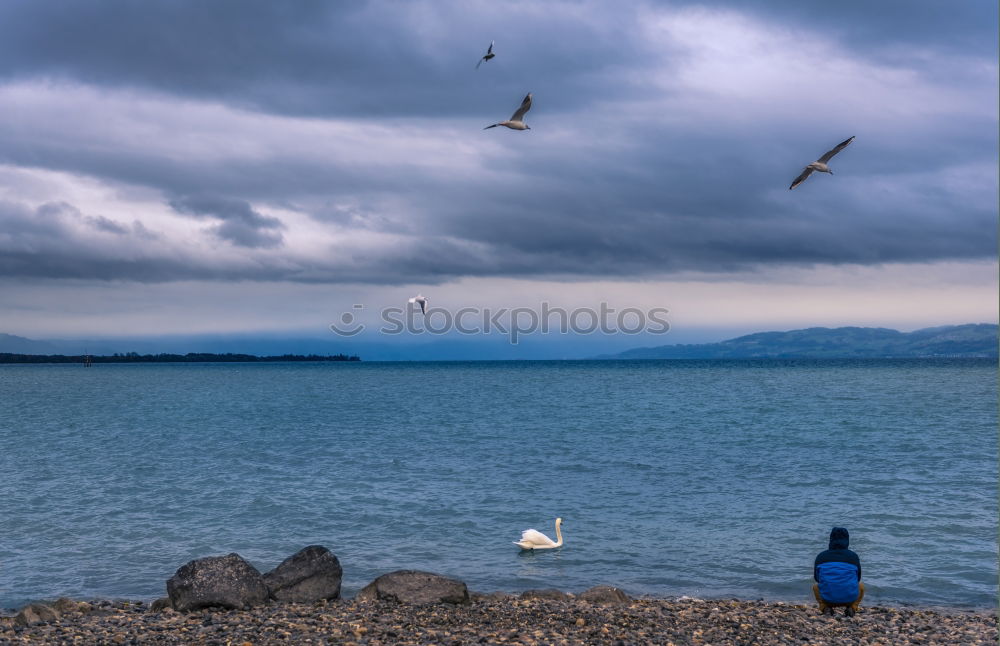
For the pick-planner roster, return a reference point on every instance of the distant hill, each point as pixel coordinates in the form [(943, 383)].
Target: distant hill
[(21, 345), (972, 340)]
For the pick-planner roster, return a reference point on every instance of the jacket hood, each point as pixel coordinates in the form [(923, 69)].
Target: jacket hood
[(839, 539)]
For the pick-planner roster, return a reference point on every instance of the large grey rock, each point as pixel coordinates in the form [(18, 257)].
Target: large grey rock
[(604, 594), (311, 574), (226, 581), (415, 587), (35, 613)]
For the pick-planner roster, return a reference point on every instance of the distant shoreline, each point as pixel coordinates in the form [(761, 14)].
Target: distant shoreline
[(190, 357)]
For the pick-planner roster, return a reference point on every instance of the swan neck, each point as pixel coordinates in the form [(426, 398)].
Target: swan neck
[(558, 535)]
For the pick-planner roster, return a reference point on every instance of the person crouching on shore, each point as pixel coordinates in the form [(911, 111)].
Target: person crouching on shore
[(837, 572)]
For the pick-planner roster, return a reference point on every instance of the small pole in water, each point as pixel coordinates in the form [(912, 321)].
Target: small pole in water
[(88, 361)]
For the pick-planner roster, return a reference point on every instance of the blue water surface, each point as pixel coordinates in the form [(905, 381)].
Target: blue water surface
[(699, 478)]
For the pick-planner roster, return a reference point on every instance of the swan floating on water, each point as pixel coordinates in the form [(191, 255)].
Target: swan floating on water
[(532, 539), (820, 164)]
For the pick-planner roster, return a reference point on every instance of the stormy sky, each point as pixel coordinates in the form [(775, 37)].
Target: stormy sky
[(171, 166)]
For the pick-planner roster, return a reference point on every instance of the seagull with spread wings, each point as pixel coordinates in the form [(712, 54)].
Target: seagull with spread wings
[(516, 122), (820, 164), (488, 56), (421, 301)]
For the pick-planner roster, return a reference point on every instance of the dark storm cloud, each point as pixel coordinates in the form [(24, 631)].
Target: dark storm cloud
[(383, 58), (647, 155), (661, 229), (49, 242), (241, 224), (57, 240), (306, 58)]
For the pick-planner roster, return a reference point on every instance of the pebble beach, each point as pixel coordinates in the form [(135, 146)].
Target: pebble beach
[(502, 619)]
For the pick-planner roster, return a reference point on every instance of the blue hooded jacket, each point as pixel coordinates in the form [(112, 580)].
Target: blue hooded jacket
[(838, 569)]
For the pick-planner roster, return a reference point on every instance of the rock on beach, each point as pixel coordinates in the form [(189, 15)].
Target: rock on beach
[(311, 574), (604, 594), (36, 613), (225, 581), (415, 587)]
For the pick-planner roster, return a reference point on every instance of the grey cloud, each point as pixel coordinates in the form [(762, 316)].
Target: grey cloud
[(653, 208), (140, 230), (107, 225), (945, 27), (571, 214), (241, 224), (51, 219), (313, 57), (363, 215), (372, 59), (247, 234), (642, 243), (620, 192), (42, 242)]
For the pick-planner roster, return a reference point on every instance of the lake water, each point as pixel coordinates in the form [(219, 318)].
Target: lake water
[(699, 478)]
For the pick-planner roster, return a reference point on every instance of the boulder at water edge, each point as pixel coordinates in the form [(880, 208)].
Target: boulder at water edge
[(35, 613), (311, 574), (66, 606), (604, 594), (226, 581), (415, 587)]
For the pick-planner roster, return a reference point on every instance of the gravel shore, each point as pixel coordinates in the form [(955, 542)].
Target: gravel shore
[(503, 619)]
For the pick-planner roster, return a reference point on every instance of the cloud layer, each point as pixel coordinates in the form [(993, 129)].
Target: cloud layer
[(342, 143)]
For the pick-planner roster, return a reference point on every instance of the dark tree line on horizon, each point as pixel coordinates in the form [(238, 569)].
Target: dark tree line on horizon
[(190, 357)]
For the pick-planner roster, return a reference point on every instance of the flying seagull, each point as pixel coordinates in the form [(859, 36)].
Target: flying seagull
[(489, 55), (820, 164), (422, 302), (516, 122)]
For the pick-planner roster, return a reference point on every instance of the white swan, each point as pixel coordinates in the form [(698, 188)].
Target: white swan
[(820, 164), (516, 122), (532, 539)]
